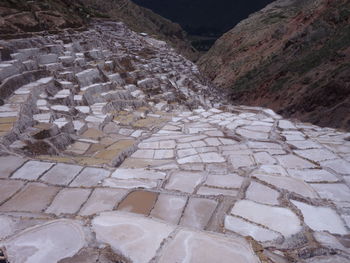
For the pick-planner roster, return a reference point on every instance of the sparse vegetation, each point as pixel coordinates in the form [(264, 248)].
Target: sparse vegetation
[(314, 58), (279, 84), (245, 82), (273, 18), (298, 52)]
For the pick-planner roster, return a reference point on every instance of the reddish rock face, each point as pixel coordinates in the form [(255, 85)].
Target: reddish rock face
[(32, 17), (293, 57)]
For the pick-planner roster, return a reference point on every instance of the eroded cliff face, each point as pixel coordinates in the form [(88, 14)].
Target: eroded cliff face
[(25, 17), (292, 56)]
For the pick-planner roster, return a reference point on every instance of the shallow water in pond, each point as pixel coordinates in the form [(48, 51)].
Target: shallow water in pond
[(139, 202)]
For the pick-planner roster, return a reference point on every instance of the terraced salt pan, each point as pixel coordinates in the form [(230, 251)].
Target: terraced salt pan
[(274, 218), (135, 237), (245, 228), (288, 183), (9, 164), (321, 218), (262, 194), (137, 173), (169, 208), (6, 226), (49, 242), (190, 246), (195, 164), (313, 175), (32, 170)]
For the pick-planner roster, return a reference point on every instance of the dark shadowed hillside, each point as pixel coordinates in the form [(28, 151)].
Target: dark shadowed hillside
[(205, 17), (204, 20), (293, 56)]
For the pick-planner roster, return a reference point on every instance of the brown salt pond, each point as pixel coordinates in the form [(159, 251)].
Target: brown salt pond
[(140, 202)]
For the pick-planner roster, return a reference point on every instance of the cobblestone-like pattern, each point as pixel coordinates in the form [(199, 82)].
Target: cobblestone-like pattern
[(109, 138)]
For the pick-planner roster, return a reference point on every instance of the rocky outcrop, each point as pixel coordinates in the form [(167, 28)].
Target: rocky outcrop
[(293, 56), (25, 17)]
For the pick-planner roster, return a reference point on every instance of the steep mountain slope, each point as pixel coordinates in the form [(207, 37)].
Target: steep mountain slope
[(204, 20), (32, 16), (193, 15), (292, 56), (144, 20)]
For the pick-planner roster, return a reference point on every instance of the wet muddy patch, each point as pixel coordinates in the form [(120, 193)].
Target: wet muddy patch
[(140, 202)]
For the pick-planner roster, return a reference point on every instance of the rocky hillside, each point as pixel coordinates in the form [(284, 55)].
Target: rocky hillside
[(19, 17), (22, 17), (293, 56)]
